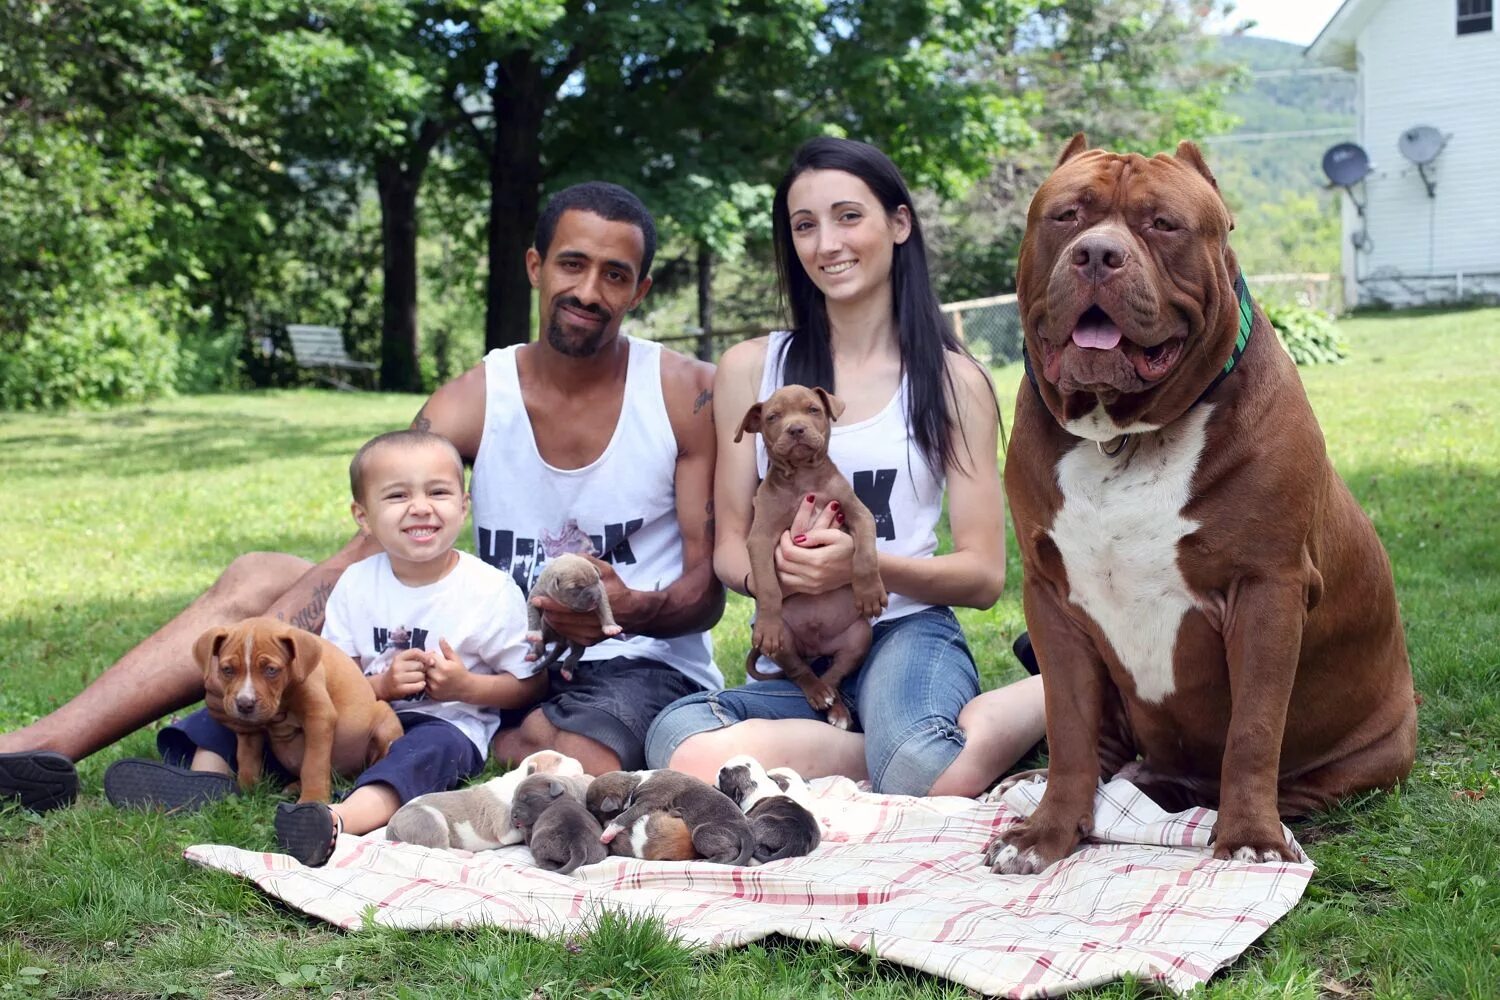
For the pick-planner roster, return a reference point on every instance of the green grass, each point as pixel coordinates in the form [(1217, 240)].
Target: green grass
[(112, 521)]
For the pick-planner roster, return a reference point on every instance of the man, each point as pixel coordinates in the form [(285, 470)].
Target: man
[(583, 440)]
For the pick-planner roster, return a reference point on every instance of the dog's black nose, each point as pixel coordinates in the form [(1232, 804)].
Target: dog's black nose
[(796, 430)]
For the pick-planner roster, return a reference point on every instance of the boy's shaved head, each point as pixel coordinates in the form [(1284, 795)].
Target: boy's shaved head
[(397, 439)]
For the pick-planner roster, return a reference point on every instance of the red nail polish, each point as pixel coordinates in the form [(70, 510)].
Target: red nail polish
[(841, 519), (810, 498), (800, 539), (833, 505)]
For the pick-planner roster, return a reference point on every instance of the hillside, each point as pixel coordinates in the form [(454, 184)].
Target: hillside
[(1287, 219)]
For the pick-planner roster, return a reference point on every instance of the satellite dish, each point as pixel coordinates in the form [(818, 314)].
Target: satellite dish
[(1346, 164), (1421, 144)]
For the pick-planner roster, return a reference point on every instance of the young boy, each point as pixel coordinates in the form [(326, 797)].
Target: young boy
[(439, 634)]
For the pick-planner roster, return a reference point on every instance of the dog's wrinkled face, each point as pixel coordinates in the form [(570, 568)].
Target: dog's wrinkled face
[(573, 580), (1125, 287), (795, 423), (248, 667), (533, 796)]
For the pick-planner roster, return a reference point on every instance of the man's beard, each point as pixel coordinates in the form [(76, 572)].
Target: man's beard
[(586, 346)]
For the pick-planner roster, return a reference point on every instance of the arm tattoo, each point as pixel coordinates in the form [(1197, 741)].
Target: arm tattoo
[(310, 615), (704, 398), (710, 526), (421, 422)]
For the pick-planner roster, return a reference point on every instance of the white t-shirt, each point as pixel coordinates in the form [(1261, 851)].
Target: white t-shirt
[(372, 616)]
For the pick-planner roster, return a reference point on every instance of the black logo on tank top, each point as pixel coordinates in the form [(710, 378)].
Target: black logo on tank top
[(523, 558), (874, 490)]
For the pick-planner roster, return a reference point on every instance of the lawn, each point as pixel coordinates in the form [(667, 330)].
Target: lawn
[(114, 520)]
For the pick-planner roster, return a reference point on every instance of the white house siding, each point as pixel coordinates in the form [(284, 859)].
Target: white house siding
[(1414, 69)]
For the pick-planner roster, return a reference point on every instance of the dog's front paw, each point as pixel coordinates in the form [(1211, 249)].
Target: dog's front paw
[(1032, 845), (870, 599), (768, 636), (1235, 839), (612, 630), (838, 715)]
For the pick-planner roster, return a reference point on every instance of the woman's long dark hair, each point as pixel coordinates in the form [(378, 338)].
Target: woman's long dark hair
[(923, 335)]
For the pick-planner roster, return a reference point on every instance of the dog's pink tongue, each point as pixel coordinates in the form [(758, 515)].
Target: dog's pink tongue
[(1096, 333)]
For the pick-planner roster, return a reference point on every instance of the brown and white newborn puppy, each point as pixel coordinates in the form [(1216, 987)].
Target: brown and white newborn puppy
[(784, 826), (571, 580), (796, 423), (719, 831), (477, 818), (658, 835)]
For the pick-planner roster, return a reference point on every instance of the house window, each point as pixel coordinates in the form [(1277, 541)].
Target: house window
[(1475, 15)]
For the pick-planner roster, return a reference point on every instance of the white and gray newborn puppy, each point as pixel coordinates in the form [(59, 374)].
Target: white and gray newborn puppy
[(562, 834), (777, 804), (477, 818), (573, 581)]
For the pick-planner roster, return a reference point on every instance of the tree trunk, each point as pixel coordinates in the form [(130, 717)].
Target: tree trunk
[(398, 232), (705, 302), (519, 101)]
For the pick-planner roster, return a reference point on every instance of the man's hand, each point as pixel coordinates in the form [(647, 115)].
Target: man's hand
[(407, 677), (582, 627), (447, 677)]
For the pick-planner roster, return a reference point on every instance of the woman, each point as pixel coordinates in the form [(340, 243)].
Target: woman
[(920, 411)]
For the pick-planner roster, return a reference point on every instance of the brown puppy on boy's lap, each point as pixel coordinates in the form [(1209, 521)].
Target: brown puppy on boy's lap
[(1202, 590), (796, 423), (265, 679)]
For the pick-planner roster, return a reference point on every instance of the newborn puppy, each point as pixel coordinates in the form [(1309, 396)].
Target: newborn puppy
[(573, 581), (565, 837), (784, 827), (477, 818), (538, 792), (720, 832), (658, 835), (611, 792)]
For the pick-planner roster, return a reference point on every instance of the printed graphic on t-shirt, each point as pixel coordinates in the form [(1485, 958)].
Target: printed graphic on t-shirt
[(398, 639), (873, 487), (523, 558)]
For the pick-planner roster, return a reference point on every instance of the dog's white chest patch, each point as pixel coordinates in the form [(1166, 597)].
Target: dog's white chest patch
[(1118, 530)]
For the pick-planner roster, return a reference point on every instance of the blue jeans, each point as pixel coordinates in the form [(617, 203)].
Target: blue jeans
[(918, 676)]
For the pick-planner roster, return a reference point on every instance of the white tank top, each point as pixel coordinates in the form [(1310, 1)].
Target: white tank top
[(623, 504), (886, 469)]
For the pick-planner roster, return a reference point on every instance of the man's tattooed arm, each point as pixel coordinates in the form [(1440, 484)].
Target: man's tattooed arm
[(421, 422), (310, 615), (704, 398)]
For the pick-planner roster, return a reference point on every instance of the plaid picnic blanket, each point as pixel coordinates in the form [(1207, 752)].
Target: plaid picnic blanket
[(896, 876)]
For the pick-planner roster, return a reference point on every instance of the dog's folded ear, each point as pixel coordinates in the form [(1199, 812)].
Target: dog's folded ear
[(304, 650), (831, 403), (750, 425), (206, 647), (610, 803)]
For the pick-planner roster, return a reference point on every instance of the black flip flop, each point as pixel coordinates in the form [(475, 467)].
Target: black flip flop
[(39, 779), (1022, 648), (139, 783), (307, 831)]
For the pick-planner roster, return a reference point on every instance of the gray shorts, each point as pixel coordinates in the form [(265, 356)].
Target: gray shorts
[(610, 701)]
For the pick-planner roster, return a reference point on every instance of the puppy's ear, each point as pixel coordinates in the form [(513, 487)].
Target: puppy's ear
[(1078, 144), (304, 651), (831, 403), (610, 803), (780, 780), (1189, 154), (750, 425), (555, 789), (206, 648)]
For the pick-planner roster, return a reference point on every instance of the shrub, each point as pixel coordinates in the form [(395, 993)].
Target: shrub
[(1308, 335), (94, 354)]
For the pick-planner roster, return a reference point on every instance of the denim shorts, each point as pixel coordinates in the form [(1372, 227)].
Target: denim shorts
[(917, 677)]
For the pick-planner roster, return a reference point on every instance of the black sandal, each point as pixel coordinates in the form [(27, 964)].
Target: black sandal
[(307, 831), (39, 779), (140, 783)]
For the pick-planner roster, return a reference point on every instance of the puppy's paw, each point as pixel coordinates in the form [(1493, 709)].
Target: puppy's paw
[(838, 715), (870, 599), (534, 637), (612, 630), (768, 636), (820, 695)]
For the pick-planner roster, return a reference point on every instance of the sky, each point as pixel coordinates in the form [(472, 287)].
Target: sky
[(1289, 20)]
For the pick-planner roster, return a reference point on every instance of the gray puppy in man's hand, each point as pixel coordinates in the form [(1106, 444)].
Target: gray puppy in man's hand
[(573, 581)]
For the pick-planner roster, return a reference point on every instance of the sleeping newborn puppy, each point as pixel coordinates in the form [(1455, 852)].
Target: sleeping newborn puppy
[(784, 826), (538, 792), (720, 832), (573, 581), (611, 792), (477, 818), (658, 835)]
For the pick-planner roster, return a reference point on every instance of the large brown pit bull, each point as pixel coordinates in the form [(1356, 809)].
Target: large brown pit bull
[(796, 423), (266, 680), (1214, 616)]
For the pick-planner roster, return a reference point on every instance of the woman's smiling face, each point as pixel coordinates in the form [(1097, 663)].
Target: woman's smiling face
[(842, 233)]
